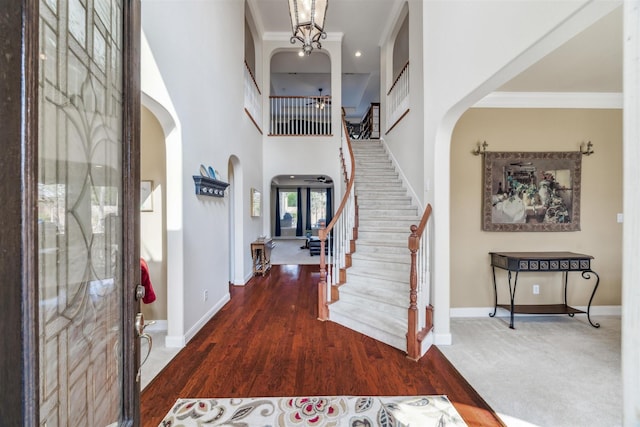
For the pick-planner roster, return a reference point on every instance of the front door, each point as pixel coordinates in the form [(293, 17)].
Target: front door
[(78, 171)]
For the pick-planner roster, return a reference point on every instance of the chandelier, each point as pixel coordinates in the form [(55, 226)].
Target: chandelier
[(307, 22)]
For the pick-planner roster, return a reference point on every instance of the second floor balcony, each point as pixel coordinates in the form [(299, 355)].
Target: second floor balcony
[(300, 116)]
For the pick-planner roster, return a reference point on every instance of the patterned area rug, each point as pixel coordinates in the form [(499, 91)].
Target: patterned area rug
[(351, 411)]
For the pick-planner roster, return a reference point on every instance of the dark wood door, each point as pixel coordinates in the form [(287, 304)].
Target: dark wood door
[(69, 179)]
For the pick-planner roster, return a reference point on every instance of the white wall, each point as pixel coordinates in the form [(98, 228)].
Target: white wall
[(406, 140), (470, 49), (202, 69), (307, 155), (631, 226)]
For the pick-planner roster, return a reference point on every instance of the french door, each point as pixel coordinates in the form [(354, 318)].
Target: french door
[(70, 217)]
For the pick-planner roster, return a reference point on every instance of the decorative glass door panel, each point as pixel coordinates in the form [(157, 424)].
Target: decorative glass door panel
[(80, 212)]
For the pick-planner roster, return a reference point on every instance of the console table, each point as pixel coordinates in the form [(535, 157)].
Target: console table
[(261, 255), (540, 262)]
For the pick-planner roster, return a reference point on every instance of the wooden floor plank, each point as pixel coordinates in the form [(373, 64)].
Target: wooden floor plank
[(267, 341)]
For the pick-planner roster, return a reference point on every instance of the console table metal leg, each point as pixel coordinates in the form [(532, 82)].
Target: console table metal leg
[(512, 293), (495, 293), (587, 275), (565, 276)]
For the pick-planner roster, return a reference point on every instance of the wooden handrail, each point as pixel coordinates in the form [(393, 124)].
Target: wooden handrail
[(423, 223), (398, 78), (323, 308), (252, 76), (318, 97), (414, 337)]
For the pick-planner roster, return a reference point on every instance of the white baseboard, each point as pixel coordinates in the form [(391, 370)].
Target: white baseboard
[(179, 341), (427, 342), (442, 339), (174, 341), (200, 323), (248, 277), (596, 310)]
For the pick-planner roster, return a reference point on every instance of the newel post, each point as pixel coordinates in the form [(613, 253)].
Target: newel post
[(323, 308), (413, 346)]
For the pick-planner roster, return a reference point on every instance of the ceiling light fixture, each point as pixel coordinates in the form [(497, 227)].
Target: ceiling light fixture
[(358, 54), (307, 22)]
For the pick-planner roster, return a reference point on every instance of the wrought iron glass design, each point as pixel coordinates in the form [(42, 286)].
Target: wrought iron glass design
[(79, 212)]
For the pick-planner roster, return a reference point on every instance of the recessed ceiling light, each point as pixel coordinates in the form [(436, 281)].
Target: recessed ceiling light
[(358, 54), (301, 53), (292, 176)]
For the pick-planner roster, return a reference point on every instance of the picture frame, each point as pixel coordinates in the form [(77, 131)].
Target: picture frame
[(146, 196), (256, 202), (531, 191)]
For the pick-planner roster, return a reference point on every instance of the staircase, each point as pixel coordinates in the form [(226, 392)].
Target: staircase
[(375, 297)]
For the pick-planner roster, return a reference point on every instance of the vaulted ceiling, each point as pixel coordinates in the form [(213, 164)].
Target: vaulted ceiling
[(590, 62)]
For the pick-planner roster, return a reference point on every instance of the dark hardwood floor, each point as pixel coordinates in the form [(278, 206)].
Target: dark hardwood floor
[(267, 342)]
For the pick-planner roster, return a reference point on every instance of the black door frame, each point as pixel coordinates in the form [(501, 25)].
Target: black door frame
[(19, 364)]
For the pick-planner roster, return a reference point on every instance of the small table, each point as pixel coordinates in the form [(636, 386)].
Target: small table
[(538, 262), (261, 255)]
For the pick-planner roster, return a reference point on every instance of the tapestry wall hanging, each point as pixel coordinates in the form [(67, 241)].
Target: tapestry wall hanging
[(526, 191)]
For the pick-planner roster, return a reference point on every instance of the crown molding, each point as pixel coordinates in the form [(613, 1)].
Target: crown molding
[(595, 100)]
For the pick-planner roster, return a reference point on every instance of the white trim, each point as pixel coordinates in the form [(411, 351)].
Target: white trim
[(426, 343), (605, 100), (596, 310), (179, 341), (204, 319), (247, 277), (631, 209), (175, 341), (442, 339)]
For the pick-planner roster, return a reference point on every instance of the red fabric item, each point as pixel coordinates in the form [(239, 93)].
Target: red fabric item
[(149, 295)]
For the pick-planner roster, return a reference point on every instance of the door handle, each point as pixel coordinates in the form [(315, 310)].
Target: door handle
[(140, 292), (140, 325)]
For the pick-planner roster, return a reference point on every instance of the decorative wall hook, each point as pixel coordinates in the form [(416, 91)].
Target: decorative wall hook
[(589, 149), (480, 148)]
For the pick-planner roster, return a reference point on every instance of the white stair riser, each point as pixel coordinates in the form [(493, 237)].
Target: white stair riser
[(375, 185), (367, 198), (383, 279), (382, 247), (375, 298), (386, 266), (393, 339), (399, 236), (369, 279), (380, 303), (378, 256)]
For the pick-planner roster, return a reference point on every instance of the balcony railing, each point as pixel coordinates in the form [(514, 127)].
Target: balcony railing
[(398, 98), (300, 115), (252, 98)]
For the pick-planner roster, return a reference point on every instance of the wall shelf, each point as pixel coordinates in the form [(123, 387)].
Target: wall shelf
[(209, 187)]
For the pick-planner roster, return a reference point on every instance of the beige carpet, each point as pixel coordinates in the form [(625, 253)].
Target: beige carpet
[(551, 371), (351, 411), (289, 251)]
